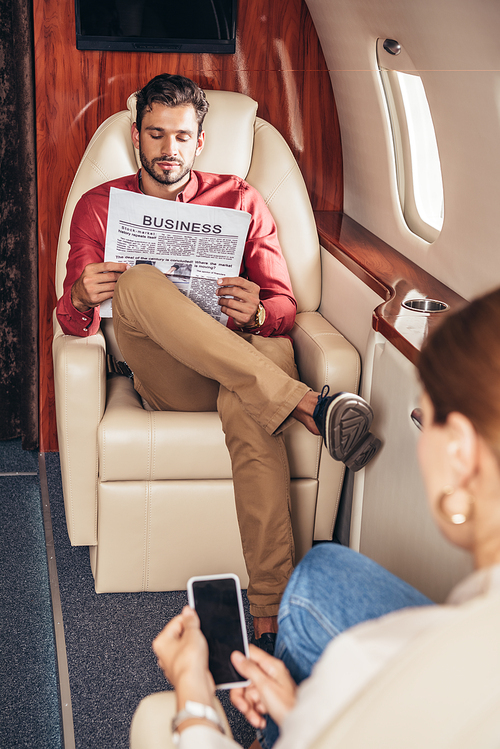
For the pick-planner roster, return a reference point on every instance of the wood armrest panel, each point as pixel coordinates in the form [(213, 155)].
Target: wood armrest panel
[(391, 275)]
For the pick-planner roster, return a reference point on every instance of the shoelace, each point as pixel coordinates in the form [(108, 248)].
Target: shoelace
[(321, 399)]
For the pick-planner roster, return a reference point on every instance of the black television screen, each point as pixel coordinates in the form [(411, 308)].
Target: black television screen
[(156, 25)]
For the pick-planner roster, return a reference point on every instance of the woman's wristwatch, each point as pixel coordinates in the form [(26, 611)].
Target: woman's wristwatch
[(195, 710)]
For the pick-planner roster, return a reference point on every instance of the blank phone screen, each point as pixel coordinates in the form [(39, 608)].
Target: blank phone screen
[(216, 604)]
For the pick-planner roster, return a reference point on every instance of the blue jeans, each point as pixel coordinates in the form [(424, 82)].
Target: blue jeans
[(333, 588)]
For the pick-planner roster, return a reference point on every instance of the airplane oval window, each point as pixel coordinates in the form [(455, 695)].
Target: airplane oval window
[(418, 168)]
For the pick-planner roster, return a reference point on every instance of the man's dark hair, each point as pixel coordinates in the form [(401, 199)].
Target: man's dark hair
[(172, 91)]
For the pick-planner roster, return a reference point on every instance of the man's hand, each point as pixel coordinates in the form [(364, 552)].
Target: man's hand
[(243, 306), (272, 689), (182, 653), (96, 284)]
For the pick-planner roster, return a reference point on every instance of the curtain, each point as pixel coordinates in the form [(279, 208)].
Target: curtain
[(18, 224)]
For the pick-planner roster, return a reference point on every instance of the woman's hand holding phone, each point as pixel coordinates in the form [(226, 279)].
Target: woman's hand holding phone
[(218, 603), (182, 653), (272, 689)]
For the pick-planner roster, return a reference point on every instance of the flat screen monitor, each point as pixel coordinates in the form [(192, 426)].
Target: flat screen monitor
[(157, 25)]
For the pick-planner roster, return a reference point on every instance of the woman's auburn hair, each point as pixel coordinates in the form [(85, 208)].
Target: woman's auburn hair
[(459, 366)]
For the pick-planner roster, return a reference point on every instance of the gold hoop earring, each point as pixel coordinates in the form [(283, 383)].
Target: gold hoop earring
[(456, 518)]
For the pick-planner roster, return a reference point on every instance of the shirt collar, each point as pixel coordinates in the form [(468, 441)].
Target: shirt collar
[(186, 195), (477, 583), (190, 190)]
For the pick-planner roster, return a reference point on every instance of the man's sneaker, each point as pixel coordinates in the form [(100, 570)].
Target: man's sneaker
[(344, 422), (266, 642)]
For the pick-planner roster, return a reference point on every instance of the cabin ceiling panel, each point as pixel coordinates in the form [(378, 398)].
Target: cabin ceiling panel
[(454, 46)]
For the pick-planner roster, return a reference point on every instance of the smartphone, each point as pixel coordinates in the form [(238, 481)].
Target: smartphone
[(217, 601)]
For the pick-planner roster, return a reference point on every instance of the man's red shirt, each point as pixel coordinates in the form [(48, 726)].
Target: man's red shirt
[(263, 262)]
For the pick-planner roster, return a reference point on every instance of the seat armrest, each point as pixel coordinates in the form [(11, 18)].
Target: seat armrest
[(80, 394), (323, 355), (151, 724)]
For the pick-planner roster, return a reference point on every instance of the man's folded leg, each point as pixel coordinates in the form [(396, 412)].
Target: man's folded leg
[(261, 478), (152, 316), (155, 323)]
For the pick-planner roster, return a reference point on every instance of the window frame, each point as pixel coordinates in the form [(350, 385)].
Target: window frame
[(389, 67)]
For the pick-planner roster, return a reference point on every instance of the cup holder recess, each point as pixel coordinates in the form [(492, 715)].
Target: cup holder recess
[(424, 305)]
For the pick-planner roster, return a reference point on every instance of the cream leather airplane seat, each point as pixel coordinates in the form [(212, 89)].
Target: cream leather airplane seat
[(151, 493), (442, 692)]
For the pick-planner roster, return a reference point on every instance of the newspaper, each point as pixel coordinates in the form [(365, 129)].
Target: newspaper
[(193, 244)]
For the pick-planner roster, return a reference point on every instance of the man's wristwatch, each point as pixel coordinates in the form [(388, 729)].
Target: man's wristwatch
[(259, 318), (195, 710)]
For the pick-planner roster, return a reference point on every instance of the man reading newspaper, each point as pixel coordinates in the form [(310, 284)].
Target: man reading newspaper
[(183, 359)]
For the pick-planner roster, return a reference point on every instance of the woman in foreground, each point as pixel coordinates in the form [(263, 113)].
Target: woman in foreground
[(341, 610)]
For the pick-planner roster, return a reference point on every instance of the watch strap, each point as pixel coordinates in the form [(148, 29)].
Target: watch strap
[(260, 315), (258, 320), (195, 710)]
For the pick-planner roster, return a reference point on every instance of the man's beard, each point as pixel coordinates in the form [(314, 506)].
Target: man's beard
[(165, 177)]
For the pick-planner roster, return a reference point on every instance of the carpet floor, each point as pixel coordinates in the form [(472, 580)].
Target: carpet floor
[(108, 642), (30, 714)]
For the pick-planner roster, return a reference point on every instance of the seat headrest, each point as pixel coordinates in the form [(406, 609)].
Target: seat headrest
[(229, 126)]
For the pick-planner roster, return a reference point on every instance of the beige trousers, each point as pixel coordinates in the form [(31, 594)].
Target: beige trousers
[(184, 360)]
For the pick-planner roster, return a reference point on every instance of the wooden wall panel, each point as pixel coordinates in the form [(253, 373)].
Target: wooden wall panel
[(278, 62)]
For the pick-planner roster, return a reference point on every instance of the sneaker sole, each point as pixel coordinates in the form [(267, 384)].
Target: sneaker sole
[(347, 424), (364, 453)]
